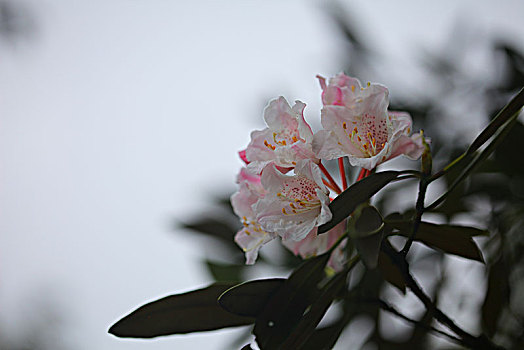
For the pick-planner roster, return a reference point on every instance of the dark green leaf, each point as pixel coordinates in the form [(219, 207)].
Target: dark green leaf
[(506, 155), (195, 311), (247, 347), (225, 272), (358, 193), (369, 248), (450, 239), (324, 338), (472, 161), (512, 108), (390, 272), (366, 230), (214, 228), (312, 318), (250, 298), (287, 305), (367, 221), (497, 296)]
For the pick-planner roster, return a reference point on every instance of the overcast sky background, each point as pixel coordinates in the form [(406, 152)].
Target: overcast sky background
[(119, 117)]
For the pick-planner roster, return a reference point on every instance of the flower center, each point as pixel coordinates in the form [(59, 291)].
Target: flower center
[(283, 138), (369, 134), (301, 194)]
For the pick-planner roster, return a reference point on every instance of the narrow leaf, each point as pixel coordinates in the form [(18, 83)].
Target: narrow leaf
[(369, 248), (452, 239), (250, 298), (225, 272), (359, 192), (324, 338), (195, 311), (512, 108), (214, 228), (287, 305), (312, 318), (366, 229), (475, 159), (497, 296), (390, 272), (368, 222)]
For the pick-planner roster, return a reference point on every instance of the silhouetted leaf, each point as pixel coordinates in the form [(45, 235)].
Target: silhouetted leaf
[(390, 272), (324, 338), (311, 319), (250, 298), (450, 239), (506, 158), (365, 222), (194, 311), (497, 296), (287, 305), (470, 161), (225, 272), (342, 206), (512, 108), (213, 227)]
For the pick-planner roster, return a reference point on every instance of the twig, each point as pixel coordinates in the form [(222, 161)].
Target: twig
[(467, 339), (387, 307), (419, 207)]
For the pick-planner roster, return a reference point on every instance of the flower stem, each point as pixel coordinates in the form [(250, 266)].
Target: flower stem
[(330, 178), (342, 171), (330, 186), (363, 173)]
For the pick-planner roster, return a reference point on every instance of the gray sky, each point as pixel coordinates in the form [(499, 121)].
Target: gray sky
[(120, 116)]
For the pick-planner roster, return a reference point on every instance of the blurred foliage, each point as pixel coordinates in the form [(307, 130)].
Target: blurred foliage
[(493, 196), (486, 186)]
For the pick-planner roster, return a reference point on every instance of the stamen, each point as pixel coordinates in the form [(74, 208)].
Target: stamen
[(353, 88)]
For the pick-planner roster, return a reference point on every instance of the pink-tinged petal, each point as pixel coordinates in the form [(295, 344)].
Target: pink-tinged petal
[(341, 91), (295, 205), (251, 241), (358, 125), (325, 212), (249, 192), (311, 171), (370, 163), (322, 82), (279, 116), (410, 146), (326, 146), (341, 122), (304, 129), (286, 140), (314, 245), (242, 155), (260, 149)]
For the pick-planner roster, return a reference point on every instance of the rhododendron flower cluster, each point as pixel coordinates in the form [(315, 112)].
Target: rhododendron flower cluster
[(285, 190)]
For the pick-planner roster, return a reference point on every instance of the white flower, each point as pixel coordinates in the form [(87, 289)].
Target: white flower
[(251, 237), (294, 205), (358, 125), (285, 141)]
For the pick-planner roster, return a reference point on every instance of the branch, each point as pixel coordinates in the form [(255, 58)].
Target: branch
[(481, 342)]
